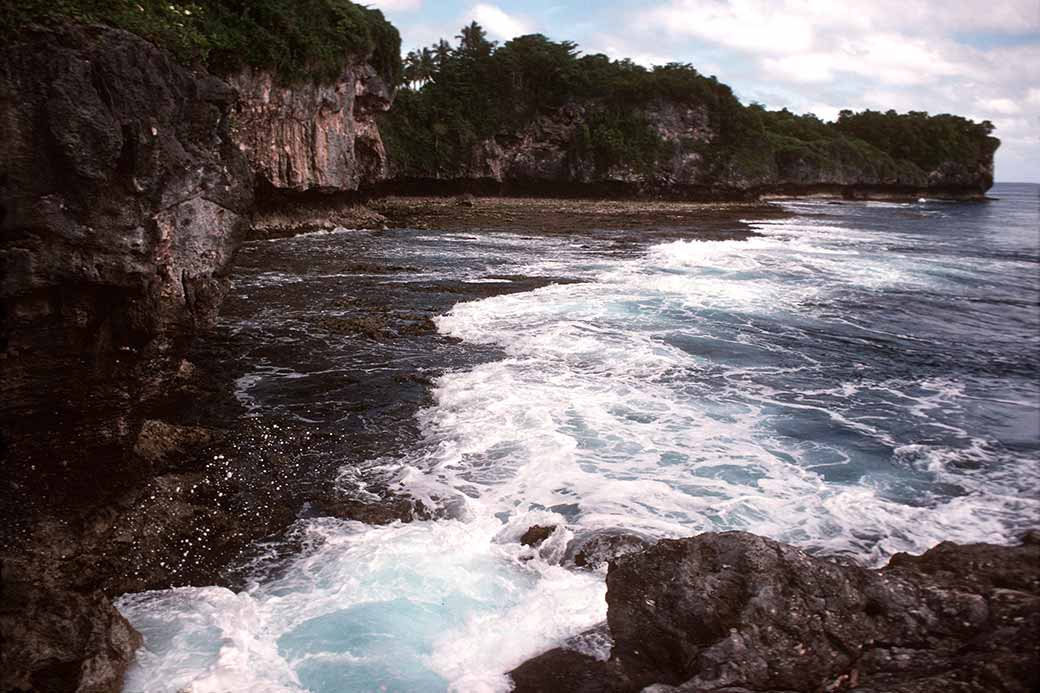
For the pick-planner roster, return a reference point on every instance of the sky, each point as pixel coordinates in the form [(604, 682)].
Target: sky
[(975, 58)]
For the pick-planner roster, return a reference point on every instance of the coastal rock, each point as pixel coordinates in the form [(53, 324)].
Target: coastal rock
[(734, 611), (541, 157), (536, 534), (123, 202), (313, 136), (595, 549), (77, 641)]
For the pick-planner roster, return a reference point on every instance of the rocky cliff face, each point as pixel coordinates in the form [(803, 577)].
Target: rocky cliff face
[(122, 202), (543, 156), (310, 136), (126, 186)]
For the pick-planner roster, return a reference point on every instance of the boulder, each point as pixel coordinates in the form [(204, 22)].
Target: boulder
[(733, 612)]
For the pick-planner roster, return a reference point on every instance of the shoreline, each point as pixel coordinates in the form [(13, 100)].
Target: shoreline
[(288, 214), (186, 445), (214, 486), (535, 215)]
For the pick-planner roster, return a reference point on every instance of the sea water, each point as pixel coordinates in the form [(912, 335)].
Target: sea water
[(859, 378)]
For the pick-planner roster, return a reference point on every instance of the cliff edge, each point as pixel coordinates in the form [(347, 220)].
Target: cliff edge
[(128, 176), (536, 116), (313, 136), (123, 200)]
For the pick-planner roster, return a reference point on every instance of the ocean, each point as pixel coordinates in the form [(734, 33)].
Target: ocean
[(858, 378)]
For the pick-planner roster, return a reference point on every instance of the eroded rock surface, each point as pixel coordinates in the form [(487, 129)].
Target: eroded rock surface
[(313, 136), (123, 202), (735, 612)]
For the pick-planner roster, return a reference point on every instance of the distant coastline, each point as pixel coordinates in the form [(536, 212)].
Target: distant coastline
[(146, 141)]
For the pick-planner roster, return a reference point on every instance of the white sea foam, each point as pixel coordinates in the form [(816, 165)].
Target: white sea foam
[(423, 606), (680, 391)]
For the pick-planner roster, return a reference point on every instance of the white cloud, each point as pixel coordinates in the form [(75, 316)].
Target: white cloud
[(782, 26), (498, 23), (748, 25), (395, 5), (824, 111), (1003, 106), (887, 58)]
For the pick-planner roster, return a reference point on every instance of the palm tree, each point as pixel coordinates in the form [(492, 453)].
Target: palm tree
[(427, 66), (443, 53), (410, 73), (473, 41)]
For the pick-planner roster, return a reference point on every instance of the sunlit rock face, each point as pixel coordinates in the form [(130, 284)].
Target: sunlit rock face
[(313, 136)]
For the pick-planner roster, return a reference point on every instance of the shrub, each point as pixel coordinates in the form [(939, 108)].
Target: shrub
[(298, 39)]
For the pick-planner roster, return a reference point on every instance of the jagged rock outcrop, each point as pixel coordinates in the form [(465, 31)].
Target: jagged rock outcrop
[(736, 612), (75, 640), (122, 202), (313, 136)]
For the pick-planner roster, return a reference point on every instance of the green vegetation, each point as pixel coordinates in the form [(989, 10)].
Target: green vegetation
[(456, 96), (925, 140), (298, 39)]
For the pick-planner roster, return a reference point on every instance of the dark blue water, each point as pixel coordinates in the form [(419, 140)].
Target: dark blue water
[(861, 378)]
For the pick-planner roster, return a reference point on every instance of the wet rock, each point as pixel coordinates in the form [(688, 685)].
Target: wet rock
[(376, 512), (370, 326), (733, 611), (566, 671), (160, 443), (74, 641), (536, 534), (595, 549)]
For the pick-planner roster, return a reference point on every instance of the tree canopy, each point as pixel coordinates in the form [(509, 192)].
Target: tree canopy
[(456, 95), (298, 39)]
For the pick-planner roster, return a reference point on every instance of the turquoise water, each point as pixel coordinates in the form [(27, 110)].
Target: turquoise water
[(861, 378)]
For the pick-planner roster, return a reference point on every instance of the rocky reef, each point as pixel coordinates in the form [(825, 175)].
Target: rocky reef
[(733, 612)]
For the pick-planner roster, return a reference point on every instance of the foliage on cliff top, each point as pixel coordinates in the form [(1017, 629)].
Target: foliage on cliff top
[(298, 39), (458, 95)]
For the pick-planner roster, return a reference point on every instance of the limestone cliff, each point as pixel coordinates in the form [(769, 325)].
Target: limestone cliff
[(547, 154), (123, 201), (313, 136), (126, 186)]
